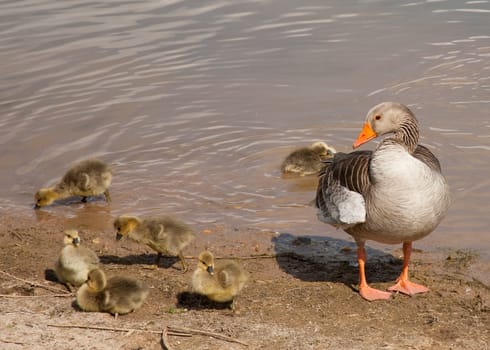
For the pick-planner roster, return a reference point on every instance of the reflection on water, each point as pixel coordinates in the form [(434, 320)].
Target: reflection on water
[(196, 103)]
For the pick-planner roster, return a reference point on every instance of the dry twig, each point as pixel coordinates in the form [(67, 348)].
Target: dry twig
[(51, 289), (36, 296), (17, 235), (201, 332), (247, 257), (165, 344), (12, 342), (118, 329), (169, 330)]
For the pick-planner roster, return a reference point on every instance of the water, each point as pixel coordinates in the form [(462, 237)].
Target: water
[(196, 103)]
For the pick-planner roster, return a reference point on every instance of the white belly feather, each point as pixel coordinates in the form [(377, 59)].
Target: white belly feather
[(408, 199)]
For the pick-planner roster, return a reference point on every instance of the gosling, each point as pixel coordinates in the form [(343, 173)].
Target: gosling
[(75, 261), (90, 177), (221, 282), (163, 234), (117, 295), (307, 160)]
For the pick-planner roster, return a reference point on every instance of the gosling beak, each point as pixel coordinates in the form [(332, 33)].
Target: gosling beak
[(76, 241), (37, 206), (118, 236), (210, 270)]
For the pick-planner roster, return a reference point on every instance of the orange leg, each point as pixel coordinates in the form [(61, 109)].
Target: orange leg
[(403, 285), (365, 291)]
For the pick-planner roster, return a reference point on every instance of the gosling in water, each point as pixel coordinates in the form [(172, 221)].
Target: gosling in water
[(117, 295), (90, 177), (307, 160), (75, 261), (163, 234), (219, 282)]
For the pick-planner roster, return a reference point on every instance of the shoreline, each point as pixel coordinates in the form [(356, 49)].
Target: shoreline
[(302, 294)]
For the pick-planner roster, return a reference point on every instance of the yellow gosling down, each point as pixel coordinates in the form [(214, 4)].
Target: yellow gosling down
[(221, 281), (307, 160), (90, 177), (117, 295), (166, 235), (75, 261)]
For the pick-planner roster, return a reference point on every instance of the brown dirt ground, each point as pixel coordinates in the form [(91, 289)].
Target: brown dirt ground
[(302, 298)]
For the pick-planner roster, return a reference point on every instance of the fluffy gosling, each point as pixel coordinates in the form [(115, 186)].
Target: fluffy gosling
[(89, 177), (307, 160), (219, 282), (163, 234), (75, 261), (117, 295)]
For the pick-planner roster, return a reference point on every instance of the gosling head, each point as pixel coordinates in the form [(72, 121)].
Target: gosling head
[(71, 238), (206, 262), (322, 149), (124, 225), (45, 196), (96, 280)]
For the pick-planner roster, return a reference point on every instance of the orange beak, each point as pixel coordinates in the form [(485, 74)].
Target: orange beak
[(365, 135)]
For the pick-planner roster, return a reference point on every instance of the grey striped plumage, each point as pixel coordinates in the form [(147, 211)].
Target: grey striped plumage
[(352, 170)]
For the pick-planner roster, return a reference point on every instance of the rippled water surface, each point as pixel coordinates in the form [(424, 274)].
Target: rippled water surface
[(196, 103)]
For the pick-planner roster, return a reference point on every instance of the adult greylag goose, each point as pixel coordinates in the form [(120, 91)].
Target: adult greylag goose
[(394, 194)]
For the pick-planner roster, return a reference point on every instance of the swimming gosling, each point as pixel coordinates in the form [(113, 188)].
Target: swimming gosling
[(163, 234), (219, 282), (117, 295), (75, 261), (89, 177), (307, 160)]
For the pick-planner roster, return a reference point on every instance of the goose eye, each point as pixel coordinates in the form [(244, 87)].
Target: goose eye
[(378, 117)]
